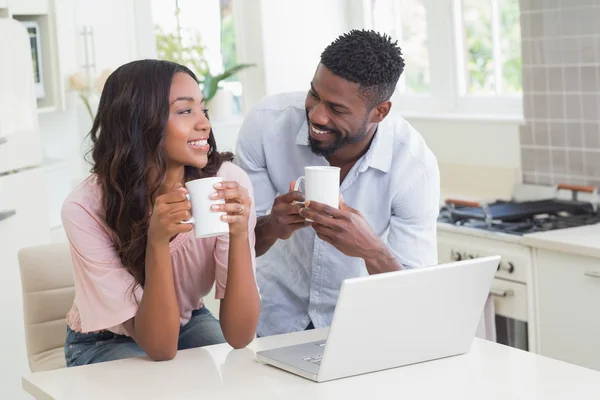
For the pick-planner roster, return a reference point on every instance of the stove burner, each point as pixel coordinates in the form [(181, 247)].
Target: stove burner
[(542, 222)]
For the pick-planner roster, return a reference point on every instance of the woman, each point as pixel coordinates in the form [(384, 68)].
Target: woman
[(140, 274)]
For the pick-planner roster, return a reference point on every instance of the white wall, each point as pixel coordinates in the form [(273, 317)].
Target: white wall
[(477, 159), (474, 143), (294, 35)]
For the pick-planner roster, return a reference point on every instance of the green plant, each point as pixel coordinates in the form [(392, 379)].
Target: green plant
[(171, 47), (210, 83)]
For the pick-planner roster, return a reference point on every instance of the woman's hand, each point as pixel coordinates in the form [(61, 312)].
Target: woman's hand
[(169, 210), (237, 206)]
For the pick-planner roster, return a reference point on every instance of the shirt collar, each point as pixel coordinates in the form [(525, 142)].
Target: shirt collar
[(379, 155), (302, 136)]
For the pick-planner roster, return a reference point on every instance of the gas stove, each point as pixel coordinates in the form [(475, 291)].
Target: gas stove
[(524, 217)]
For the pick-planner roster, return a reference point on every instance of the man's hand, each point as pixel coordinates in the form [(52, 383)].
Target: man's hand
[(344, 228), (349, 232), (282, 222), (285, 218)]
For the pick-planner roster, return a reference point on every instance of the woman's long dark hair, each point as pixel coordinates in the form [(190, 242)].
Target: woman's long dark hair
[(127, 152)]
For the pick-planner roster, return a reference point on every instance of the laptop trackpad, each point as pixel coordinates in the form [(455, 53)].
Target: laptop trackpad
[(305, 356)]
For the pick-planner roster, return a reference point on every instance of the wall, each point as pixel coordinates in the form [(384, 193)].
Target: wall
[(561, 83), (294, 35), (477, 158)]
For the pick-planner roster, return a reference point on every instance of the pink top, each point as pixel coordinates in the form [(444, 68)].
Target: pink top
[(103, 287)]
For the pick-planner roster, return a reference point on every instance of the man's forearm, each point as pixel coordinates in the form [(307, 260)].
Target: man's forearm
[(265, 237), (382, 261)]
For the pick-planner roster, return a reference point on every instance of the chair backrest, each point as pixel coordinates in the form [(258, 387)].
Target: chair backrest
[(48, 293)]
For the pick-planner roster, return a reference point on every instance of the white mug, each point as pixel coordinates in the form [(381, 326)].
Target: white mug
[(322, 184), (206, 222)]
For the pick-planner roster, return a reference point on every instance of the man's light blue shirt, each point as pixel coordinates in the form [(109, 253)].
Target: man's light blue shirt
[(395, 186)]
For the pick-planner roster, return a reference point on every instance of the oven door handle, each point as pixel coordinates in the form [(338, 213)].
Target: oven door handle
[(501, 292), (592, 274)]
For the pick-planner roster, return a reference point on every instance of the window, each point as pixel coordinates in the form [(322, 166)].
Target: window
[(462, 56), (491, 39), (406, 21), (201, 36)]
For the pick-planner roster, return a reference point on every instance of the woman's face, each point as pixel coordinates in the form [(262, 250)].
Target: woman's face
[(188, 127)]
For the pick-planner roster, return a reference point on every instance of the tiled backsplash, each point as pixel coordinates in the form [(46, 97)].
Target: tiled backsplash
[(561, 91)]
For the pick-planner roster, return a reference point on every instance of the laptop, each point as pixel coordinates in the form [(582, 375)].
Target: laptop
[(395, 319)]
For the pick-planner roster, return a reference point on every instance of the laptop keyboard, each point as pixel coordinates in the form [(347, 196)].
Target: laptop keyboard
[(314, 359)]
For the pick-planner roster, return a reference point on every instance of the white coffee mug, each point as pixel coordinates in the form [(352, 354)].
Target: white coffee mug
[(206, 222), (322, 184)]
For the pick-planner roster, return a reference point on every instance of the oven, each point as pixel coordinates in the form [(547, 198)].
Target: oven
[(511, 290), (468, 229)]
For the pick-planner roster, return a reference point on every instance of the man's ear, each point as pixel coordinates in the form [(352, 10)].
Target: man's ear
[(382, 110)]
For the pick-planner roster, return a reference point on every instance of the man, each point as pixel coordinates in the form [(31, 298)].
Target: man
[(389, 184)]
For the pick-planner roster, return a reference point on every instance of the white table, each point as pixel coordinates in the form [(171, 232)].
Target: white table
[(488, 371)]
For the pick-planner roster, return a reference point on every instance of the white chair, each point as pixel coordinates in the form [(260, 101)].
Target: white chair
[(48, 293)]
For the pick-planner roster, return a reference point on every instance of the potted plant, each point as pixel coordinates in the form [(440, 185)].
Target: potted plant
[(170, 47)]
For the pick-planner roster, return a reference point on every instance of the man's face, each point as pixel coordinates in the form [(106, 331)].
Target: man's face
[(337, 115)]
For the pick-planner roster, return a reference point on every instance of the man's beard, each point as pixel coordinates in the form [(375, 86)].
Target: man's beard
[(340, 141)]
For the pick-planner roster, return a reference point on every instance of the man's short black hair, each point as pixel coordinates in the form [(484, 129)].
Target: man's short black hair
[(368, 58)]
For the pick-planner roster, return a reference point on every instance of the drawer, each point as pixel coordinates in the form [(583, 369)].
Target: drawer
[(20, 150), (510, 299), (28, 7), (23, 204)]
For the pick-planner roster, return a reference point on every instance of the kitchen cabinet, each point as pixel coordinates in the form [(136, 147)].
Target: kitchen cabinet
[(111, 42), (19, 151), (22, 224), (568, 291), (28, 7)]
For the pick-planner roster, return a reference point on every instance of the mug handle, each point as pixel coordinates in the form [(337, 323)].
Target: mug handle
[(191, 220), (297, 187)]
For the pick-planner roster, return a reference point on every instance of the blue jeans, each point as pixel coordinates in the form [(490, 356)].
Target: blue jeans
[(203, 329)]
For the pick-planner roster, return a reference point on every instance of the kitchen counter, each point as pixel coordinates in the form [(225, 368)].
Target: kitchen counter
[(583, 240), (488, 371)]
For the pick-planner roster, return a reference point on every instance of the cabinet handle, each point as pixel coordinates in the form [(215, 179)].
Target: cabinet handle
[(3, 140), (592, 274), (501, 292), (7, 214)]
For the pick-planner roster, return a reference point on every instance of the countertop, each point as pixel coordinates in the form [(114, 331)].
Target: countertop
[(488, 371), (583, 240)]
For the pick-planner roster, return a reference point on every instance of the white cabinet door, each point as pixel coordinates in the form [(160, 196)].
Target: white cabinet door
[(569, 307), (113, 24), (23, 223), (28, 7)]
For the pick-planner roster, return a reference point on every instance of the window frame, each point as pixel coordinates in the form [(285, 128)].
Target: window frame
[(448, 95)]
